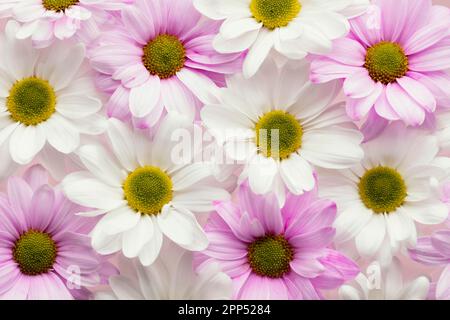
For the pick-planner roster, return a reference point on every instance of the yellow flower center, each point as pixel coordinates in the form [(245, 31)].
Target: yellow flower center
[(148, 189), (382, 189), (31, 101), (275, 13), (58, 5), (164, 56), (269, 256), (386, 62), (278, 134), (35, 252)]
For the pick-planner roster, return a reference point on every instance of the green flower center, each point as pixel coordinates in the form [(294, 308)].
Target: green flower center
[(31, 101), (278, 134), (382, 189), (147, 190), (58, 5), (35, 252), (164, 56), (275, 13), (269, 256), (386, 62)]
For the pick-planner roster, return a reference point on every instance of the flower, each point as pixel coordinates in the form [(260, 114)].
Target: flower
[(293, 28), (45, 250), (282, 104), (43, 99), (144, 195), (390, 286), (392, 62), (44, 21), (160, 53), (380, 199), (170, 277), (276, 253)]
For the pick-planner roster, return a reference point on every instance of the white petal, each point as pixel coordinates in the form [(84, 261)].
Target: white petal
[(369, 240), (144, 98), (180, 226), (297, 174), (25, 143), (135, 239), (122, 138), (261, 173), (83, 189)]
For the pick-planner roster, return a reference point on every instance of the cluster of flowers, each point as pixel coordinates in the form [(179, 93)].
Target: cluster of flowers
[(333, 116)]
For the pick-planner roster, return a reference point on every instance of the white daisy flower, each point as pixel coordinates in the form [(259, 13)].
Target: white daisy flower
[(143, 195), (47, 99), (380, 199), (385, 285), (292, 28), (282, 103), (170, 277)]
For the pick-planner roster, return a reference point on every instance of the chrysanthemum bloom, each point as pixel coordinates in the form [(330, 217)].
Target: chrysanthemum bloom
[(45, 250), (44, 21), (170, 277), (281, 104), (161, 52), (293, 28), (45, 102), (144, 195), (385, 285), (380, 199), (273, 253), (392, 62)]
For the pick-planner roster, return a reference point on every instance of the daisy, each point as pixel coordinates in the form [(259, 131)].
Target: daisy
[(281, 104), (44, 21), (170, 277), (293, 28), (45, 102), (392, 62), (380, 199), (143, 192), (276, 253), (160, 53), (390, 287), (45, 251)]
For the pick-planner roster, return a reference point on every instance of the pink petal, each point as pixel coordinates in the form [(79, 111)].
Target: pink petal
[(406, 107), (418, 92)]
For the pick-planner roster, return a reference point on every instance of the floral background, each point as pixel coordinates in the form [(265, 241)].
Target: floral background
[(212, 149)]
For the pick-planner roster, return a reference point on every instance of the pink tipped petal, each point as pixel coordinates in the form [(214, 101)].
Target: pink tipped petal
[(359, 85), (419, 93), (406, 107)]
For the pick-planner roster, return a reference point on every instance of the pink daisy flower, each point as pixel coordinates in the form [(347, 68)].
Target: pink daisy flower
[(45, 252), (46, 20), (276, 253), (161, 55), (392, 62)]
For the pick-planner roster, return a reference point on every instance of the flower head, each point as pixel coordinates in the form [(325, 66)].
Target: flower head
[(170, 277), (293, 28), (45, 247), (45, 102), (44, 21), (276, 253), (393, 62), (160, 55), (281, 126), (143, 192), (380, 199)]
